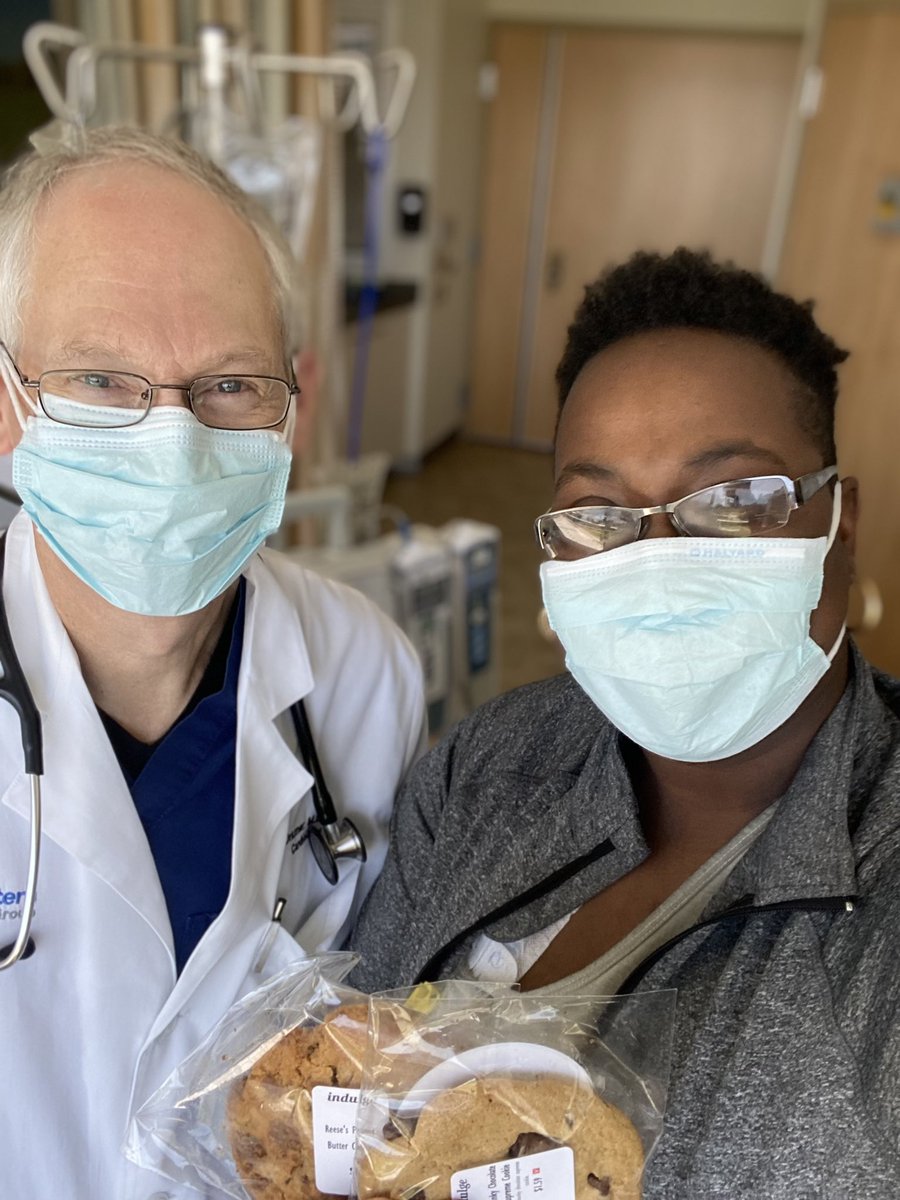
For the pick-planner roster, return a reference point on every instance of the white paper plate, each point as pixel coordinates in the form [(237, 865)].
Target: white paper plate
[(499, 1058)]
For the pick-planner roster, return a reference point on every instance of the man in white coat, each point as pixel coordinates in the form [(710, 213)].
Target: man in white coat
[(147, 393)]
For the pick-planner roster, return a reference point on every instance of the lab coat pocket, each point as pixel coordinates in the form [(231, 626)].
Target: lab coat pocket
[(277, 949), (328, 924)]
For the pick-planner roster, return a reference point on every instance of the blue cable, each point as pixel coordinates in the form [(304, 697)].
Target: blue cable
[(375, 160)]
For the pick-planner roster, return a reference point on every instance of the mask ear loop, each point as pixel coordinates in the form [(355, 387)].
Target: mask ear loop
[(22, 403), (832, 534), (290, 424), (835, 517)]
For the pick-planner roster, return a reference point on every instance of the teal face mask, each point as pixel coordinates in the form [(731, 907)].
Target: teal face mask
[(158, 518), (695, 648)]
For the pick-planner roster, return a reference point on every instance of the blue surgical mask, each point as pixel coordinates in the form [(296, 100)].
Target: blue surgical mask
[(695, 648), (158, 518)]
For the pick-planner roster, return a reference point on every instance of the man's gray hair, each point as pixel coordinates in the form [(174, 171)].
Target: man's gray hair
[(36, 173)]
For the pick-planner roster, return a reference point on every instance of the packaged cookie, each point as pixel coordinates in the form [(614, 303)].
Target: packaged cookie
[(558, 1098), (265, 1108), (291, 1118), (304, 1089)]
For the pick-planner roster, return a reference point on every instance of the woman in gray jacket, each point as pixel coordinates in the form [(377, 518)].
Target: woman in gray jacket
[(707, 801)]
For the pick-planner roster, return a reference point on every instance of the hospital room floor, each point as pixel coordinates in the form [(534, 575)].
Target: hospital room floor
[(508, 488)]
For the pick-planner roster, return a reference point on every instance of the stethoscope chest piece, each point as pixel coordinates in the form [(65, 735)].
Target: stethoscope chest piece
[(330, 843)]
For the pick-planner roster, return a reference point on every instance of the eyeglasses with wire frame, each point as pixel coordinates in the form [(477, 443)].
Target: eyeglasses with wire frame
[(738, 508), (94, 398)]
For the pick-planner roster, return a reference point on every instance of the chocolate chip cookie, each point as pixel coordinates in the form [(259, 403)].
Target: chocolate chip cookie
[(500, 1117)]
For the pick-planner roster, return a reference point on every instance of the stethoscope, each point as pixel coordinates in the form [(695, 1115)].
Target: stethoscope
[(15, 690), (330, 839)]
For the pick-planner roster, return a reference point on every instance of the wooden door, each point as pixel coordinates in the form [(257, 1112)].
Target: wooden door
[(836, 252), (657, 140), (511, 156)]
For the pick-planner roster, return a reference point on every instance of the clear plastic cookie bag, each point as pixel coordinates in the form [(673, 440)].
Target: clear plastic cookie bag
[(238, 1115), (512, 1096)]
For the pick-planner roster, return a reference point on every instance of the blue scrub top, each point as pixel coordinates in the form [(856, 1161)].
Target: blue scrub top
[(183, 790)]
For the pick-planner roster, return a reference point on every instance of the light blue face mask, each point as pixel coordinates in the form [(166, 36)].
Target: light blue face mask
[(695, 648), (158, 518)]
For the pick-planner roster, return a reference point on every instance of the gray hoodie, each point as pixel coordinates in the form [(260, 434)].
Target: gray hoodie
[(785, 1079)]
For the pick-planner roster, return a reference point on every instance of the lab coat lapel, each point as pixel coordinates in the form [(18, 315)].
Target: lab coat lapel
[(270, 778), (87, 808)]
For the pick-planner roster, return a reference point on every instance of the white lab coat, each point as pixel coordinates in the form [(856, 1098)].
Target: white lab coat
[(95, 1019)]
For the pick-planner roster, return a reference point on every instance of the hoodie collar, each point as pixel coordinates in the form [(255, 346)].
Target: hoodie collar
[(807, 850)]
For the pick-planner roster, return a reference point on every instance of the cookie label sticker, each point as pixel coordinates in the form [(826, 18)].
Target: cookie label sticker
[(549, 1174), (334, 1137)]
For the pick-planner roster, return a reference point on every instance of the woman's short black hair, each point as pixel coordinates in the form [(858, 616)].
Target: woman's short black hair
[(688, 289)]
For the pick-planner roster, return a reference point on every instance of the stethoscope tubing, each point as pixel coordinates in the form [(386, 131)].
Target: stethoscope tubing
[(326, 813), (19, 948), (15, 690)]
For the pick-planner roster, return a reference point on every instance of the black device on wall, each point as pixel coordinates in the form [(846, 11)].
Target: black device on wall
[(411, 208)]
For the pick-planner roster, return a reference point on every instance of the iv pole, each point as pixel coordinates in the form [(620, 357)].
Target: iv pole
[(214, 56)]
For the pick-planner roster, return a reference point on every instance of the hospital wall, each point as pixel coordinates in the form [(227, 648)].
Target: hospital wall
[(842, 248), (438, 152), (417, 389)]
